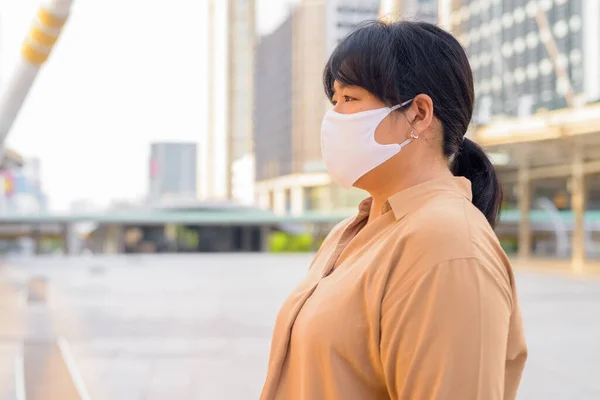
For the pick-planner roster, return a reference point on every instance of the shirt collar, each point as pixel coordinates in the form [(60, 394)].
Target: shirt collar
[(410, 199)]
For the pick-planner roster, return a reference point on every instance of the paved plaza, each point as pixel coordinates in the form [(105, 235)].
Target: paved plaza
[(198, 327)]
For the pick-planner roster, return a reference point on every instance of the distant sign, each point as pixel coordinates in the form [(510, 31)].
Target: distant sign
[(8, 182)]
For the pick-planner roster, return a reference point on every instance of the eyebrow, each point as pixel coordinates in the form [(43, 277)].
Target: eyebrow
[(340, 86)]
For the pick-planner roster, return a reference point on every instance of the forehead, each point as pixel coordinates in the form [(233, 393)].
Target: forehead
[(339, 85)]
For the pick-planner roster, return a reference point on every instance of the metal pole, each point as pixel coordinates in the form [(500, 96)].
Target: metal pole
[(35, 50), (524, 202), (578, 205)]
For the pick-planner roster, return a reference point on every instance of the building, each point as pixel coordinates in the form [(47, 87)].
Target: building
[(529, 56), (231, 53), (414, 10), (273, 104), (290, 105), (172, 171), (536, 67)]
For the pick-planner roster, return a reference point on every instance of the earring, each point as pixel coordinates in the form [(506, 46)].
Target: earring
[(413, 135)]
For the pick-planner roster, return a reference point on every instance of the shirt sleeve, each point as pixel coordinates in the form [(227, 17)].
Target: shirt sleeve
[(446, 337)]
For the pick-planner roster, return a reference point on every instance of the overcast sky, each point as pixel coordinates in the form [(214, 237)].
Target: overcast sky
[(123, 74)]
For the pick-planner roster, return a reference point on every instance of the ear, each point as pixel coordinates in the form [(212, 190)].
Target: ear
[(421, 113)]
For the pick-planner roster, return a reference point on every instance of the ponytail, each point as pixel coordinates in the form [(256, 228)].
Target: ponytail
[(472, 163)]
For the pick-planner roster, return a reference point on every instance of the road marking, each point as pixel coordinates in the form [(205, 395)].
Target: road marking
[(20, 376), (67, 355)]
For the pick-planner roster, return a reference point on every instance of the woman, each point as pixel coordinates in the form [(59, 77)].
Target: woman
[(414, 298)]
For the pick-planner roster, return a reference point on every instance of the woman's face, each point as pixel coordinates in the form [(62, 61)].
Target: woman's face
[(353, 99), (395, 128)]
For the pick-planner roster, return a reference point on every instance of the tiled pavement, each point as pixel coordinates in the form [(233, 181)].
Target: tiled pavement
[(198, 327)]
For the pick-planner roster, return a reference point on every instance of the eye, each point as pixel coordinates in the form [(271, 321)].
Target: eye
[(346, 99)]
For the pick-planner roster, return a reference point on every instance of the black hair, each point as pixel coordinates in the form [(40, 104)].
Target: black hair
[(398, 61)]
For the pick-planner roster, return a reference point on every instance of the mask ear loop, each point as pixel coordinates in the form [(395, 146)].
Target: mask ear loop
[(400, 105), (413, 135)]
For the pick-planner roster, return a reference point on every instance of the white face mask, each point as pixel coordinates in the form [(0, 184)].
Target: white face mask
[(349, 147)]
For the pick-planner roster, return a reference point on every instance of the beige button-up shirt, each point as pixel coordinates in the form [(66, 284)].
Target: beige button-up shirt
[(419, 304)]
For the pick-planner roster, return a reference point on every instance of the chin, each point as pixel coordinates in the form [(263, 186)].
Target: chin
[(361, 184)]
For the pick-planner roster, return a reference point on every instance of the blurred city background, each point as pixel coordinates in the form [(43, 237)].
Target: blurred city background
[(151, 129)]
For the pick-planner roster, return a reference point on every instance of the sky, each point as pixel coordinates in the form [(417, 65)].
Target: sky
[(122, 75)]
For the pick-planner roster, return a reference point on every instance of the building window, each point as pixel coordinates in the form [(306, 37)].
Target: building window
[(575, 56), (561, 29), (288, 200), (519, 15), (519, 45), (546, 67), (531, 8), (575, 23), (507, 20), (532, 40), (520, 75), (545, 5)]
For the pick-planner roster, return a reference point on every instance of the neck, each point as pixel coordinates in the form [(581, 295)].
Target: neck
[(385, 190)]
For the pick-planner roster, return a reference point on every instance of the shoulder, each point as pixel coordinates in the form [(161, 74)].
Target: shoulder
[(443, 231), (444, 228), (452, 226)]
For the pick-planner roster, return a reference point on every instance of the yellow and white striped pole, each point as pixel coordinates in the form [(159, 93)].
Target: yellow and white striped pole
[(38, 43)]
